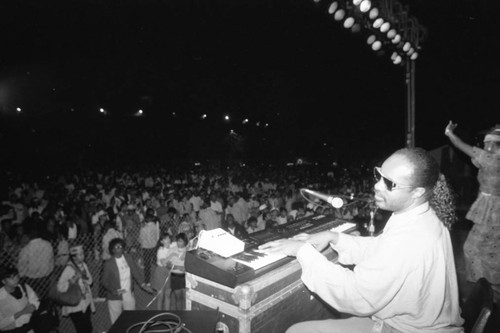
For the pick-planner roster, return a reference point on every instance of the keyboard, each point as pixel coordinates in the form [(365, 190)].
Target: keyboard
[(251, 263)]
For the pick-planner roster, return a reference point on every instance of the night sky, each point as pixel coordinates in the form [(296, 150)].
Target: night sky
[(308, 87)]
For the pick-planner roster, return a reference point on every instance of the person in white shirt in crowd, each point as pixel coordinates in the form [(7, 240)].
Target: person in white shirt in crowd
[(36, 262), (161, 276), (77, 271), (178, 275), (119, 273), (149, 235), (240, 209), (17, 302), (216, 206), (196, 201), (209, 217), (252, 225), (404, 280)]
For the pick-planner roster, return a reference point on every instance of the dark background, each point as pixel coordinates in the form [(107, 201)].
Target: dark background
[(323, 93)]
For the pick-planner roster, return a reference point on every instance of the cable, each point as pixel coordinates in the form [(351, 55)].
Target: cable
[(162, 287), (174, 325)]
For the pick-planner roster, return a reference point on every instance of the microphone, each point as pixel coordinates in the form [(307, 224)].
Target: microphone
[(335, 201)]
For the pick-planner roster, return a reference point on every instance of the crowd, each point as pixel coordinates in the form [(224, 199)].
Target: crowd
[(137, 226)]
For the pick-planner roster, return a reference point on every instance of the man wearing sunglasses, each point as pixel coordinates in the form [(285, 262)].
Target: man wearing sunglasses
[(404, 280)]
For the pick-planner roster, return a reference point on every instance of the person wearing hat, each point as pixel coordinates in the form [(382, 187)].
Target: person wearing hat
[(17, 302), (77, 271), (482, 257)]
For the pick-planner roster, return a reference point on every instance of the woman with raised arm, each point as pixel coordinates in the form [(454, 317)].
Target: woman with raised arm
[(482, 254)]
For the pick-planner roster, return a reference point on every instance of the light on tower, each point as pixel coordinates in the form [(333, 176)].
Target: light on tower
[(365, 6)]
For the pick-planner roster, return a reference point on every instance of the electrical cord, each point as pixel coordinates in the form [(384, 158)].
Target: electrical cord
[(172, 325), (162, 287)]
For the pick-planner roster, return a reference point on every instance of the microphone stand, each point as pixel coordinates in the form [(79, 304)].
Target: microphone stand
[(371, 225)]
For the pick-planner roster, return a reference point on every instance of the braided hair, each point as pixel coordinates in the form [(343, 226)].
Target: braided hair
[(426, 174)]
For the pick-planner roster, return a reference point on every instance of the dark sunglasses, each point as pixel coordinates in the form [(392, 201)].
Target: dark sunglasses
[(389, 184), (118, 247)]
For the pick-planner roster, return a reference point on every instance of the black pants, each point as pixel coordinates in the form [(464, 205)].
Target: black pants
[(149, 257), (82, 321)]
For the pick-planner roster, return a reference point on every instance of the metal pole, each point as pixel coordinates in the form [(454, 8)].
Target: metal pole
[(410, 103)]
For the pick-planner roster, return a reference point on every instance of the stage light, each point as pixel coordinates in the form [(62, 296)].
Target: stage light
[(339, 15), (18, 109), (333, 7), (397, 60), (373, 14), (414, 56), (385, 27), (391, 33), (101, 110), (396, 39), (406, 46), (349, 22), (356, 2), (226, 118), (394, 55), (245, 121), (377, 45), (365, 6), (204, 116), (140, 113), (371, 39), (356, 28), (378, 23), (410, 51)]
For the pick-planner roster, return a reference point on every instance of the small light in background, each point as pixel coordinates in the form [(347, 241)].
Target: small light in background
[(18, 109), (204, 116), (101, 110), (245, 121), (226, 117)]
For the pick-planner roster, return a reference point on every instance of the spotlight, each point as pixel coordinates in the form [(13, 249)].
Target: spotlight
[(396, 39), (411, 51), (18, 109), (339, 15), (371, 39), (385, 27), (349, 22), (333, 7), (365, 6), (397, 60), (394, 55), (406, 46), (101, 110), (378, 23), (356, 2), (245, 120), (414, 56), (377, 45), (140, 112), (226, 118), (204, 116), (373, 14), (391, 33)]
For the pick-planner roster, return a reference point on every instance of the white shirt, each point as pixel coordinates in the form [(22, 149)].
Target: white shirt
[(124, 271), (405, 277)]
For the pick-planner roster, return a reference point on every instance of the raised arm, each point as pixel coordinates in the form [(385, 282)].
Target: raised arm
[(456, 141)]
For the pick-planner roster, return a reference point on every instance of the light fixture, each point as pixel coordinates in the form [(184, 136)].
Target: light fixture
[(377, 45), (365, 6), (356, 2), (410, 51), (18, 109), (333, 7), (385, 27), (396, 39), (378, 23), (406, 46), (349, 22), (371, 39), (339, 15), (391, 33), (397, 60), (414, 56), (373, 14)]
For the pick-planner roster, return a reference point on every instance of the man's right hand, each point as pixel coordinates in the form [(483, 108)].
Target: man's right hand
[(320, 240)]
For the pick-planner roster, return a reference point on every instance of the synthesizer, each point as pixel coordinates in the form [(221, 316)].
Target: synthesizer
[(250, 263)]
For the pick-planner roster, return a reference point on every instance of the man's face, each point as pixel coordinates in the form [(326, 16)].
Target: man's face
[(398, 170)]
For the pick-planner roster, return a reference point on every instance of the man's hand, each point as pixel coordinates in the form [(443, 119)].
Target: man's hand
[(288, 247), (450, 128), (320, 240)]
